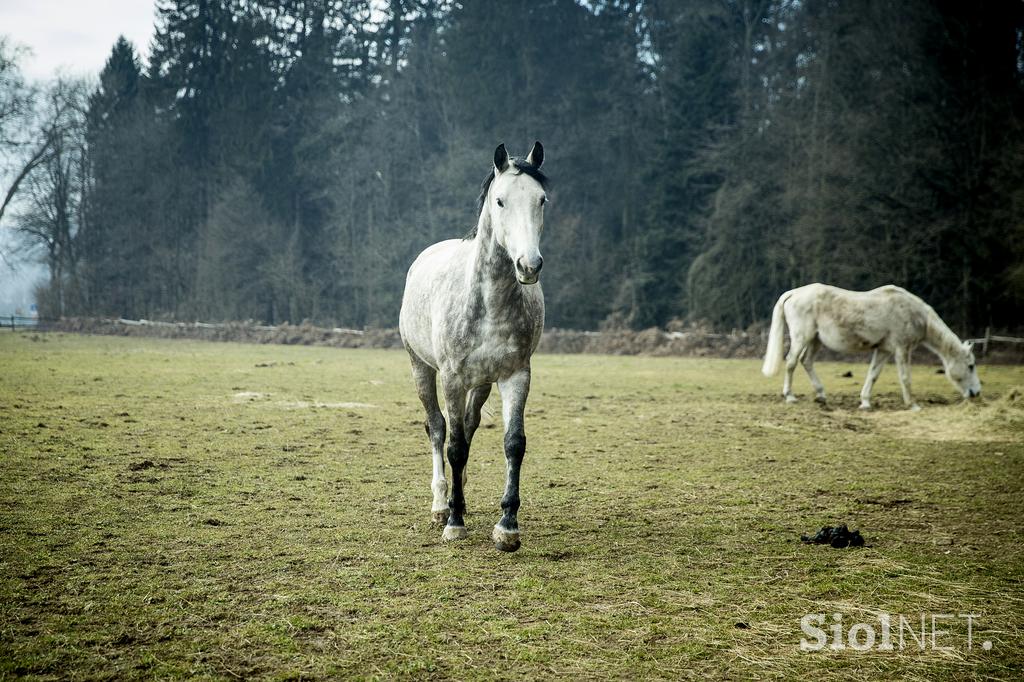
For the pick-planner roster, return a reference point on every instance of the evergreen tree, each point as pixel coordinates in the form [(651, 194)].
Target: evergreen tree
[(697, 80), (111, 252)]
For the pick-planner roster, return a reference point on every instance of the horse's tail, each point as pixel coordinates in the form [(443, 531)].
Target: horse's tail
[(773, 355)]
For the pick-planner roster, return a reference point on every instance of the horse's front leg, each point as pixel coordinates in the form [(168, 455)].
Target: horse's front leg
[(458, 455), (903, 372), (514, 391)]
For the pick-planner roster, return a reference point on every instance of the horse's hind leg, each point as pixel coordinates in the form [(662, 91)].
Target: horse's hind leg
[(474, 403), (797, 346), (425, 378), (878, 360), (808, 362), (514, 391)]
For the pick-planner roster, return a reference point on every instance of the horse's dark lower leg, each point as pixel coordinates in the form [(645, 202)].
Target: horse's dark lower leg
[(458, 456), (515, 450), (513, 397)]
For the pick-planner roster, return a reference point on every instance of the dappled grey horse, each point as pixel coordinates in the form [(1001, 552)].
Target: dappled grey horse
[(473, 312)]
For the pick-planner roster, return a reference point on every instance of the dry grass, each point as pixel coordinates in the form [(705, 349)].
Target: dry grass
[(178, 509), (994, 421)]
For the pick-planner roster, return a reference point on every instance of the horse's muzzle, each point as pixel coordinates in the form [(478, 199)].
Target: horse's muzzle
[(528, 270), (971, 393)]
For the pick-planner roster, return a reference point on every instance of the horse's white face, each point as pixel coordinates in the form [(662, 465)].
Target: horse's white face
[(516, 203), (963, 372)]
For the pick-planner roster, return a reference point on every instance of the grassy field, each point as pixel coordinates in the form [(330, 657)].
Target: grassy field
[(175, 508)]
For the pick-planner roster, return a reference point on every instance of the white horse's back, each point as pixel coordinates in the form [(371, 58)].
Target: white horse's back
[(858, 321)]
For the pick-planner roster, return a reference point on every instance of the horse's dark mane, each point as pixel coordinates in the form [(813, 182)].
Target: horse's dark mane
[(520, 165)]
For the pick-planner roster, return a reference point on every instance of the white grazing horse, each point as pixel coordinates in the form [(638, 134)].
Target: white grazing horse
[(889, 321), (473, 312)]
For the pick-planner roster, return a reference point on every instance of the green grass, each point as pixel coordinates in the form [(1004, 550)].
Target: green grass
[(178, 509)]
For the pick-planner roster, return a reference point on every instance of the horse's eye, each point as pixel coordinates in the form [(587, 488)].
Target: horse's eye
[(543, 200), (970, 367), (501, 204)]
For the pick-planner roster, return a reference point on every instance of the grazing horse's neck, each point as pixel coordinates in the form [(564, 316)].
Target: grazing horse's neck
[(492, 268), (940, 338)]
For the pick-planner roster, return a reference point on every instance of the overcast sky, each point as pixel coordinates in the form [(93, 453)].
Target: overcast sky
[(74, 35)]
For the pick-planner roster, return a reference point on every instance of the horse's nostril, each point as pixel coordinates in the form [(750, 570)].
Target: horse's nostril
[(540, 264)]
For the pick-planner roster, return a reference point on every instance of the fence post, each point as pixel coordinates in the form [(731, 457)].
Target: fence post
[(988, 338), (12, 323)]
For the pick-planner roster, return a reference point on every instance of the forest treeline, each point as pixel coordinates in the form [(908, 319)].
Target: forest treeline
[(284, 161)]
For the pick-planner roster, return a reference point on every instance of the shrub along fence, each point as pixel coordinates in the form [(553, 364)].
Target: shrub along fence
[(694, 341)]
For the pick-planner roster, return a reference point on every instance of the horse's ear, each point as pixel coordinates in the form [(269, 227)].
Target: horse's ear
[(500, 159), (969, 345), (536, 156)]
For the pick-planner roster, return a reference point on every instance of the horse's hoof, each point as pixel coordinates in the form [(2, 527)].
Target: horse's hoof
[(915, 408), (790, 399), (865, 406), (440, 516), (452, 533), (819, 399), (505, 540)]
